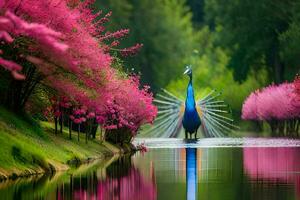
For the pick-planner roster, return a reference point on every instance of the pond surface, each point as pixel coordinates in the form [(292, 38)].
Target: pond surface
[(176, 169)]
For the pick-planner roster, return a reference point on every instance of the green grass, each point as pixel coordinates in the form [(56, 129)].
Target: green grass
[(28, 145)]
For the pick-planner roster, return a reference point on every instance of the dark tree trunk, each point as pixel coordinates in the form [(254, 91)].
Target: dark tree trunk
[(78, 132), (279, 72), (101, 133), (274, 62), (55, 122), (86, 136), (19, 91), (70, 129), (94, 127), (61, 123)]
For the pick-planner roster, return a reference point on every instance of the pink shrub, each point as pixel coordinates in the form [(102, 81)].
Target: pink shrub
[(296, 96), (249, 110), (275, 102), (278, 105)]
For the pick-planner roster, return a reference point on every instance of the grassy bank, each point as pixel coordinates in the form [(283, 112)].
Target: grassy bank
[(45, 185), (28, 147)]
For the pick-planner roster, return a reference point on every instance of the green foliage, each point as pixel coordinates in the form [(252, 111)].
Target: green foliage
[(289, 44), (197, 8), (164, 28), (259, 34)]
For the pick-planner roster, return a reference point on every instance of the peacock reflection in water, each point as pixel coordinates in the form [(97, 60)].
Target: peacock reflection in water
[(191, 174), (208, 114)]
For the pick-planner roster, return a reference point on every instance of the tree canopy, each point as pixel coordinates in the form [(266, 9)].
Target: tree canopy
[(258, 34), (165, 30)]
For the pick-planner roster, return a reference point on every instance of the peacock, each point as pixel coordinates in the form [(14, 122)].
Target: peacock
[(209, 114)]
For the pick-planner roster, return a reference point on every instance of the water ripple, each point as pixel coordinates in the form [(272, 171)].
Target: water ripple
[(216, 142)]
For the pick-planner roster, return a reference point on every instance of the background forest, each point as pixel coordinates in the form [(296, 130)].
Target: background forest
[(234, 46)]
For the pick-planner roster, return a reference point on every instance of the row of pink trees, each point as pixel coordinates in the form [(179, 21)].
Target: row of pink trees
[(63, 47), (278, 105)]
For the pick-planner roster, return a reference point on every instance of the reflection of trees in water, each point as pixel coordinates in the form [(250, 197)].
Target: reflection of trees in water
[(24, 188), (131, 186), (273, 167), (123, 181)]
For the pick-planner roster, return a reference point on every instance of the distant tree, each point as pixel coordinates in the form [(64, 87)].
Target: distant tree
[(165, 30), (197, 8), (260, 33), (261, 104)]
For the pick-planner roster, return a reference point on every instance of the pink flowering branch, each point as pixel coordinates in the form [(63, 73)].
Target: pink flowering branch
[(131, 51)]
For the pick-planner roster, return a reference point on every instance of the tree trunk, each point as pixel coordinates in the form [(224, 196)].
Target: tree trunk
[(86, 136), (55, 122), (279, 72), (78, 132), (70, 129), (278, 66), (94, 127), (61, 123), (20, 91)]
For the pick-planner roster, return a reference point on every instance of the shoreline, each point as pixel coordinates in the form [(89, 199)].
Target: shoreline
[(74, 164), (60, 176), (31, 148), (61, 167)]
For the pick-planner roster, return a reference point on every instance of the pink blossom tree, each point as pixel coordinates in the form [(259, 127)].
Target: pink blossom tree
[(278, 105), (62, 45)]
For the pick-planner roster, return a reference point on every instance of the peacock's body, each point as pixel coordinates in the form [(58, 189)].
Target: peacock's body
[(208, 113), (191, 120)]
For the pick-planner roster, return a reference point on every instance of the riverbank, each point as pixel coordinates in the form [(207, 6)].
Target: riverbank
[(42, 186), (28, 147)]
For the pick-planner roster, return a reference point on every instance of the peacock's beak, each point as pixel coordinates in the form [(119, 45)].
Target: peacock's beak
[(186, 71)]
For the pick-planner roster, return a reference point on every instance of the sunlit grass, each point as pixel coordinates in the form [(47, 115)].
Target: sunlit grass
[(26, 144)]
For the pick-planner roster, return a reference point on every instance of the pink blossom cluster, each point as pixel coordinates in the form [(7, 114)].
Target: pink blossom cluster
[(67, 43), (275, 102), (131, 50), (79, 115), (13, 26), (296, 94), (54, 27), (126, 106), (56, 107), (130, 106), (115, 35)]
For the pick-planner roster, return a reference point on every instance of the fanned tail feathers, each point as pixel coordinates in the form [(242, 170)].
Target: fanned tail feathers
[(216, 121), (169, 116), (215, 118)]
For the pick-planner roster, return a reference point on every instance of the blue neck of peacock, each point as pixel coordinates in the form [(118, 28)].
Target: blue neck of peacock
[(190, 99)]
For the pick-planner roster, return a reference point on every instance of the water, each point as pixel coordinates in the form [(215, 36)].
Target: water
[(175, 169)]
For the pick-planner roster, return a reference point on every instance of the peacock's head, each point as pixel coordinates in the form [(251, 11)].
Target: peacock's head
[(188, 70)]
